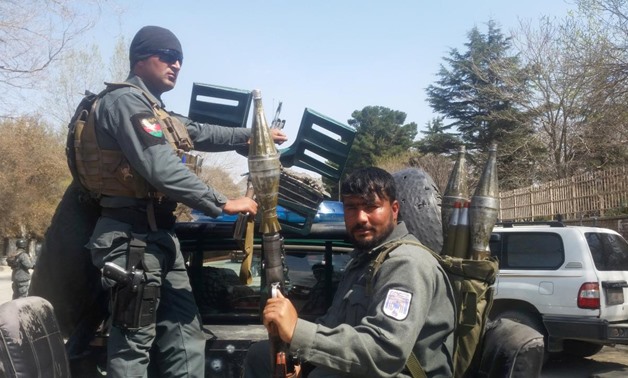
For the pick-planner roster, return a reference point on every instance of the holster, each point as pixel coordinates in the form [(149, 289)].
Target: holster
[(135, 305)]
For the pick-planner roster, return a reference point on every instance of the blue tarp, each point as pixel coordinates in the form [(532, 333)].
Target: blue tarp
[(328, 211)]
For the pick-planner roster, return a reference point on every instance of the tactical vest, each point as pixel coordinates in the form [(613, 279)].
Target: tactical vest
[(108, 172)]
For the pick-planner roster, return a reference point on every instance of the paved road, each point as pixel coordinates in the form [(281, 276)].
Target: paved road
[(6, 293), (609, 363)]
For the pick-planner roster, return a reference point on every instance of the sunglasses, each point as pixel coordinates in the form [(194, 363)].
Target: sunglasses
[(168, 56)]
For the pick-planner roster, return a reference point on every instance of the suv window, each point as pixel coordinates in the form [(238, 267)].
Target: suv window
[(529, 250), (609, 251)]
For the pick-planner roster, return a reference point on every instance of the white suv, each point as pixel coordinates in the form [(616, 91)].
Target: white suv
[(568, 282)]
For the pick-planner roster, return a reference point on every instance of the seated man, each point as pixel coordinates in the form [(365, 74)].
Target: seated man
[(371, 333)]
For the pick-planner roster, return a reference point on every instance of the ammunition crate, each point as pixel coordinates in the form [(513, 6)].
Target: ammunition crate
[(300, 197)]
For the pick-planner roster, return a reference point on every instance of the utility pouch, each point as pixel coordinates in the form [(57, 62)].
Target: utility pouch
[(193, 161)]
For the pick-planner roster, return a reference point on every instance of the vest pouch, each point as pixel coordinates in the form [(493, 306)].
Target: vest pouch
[(107, 172), (177, 134), (85, 156), (193, 161), (118, 178)]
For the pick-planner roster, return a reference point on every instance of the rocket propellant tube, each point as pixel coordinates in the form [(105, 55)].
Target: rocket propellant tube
[(457, 190), (450, 241), (264, 167), (273, 264), (461, 245), (484, 208)]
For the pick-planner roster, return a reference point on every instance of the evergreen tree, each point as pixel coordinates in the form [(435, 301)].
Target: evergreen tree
[(437, 140), (380, 132), (479, 93)]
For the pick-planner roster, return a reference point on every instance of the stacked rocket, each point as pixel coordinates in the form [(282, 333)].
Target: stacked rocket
[(467, 225)]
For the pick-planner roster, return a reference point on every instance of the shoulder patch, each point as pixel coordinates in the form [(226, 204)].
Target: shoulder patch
[(148, 128), (397, 304)]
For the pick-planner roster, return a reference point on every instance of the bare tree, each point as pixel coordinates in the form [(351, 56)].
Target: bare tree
[(68, 82), (605, 108), (576, 92), (219, 179), (119, 62), (558, 85), (436, 165), (33, 35)]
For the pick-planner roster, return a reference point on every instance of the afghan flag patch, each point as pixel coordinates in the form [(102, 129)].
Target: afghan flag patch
[(148, 129), (152, 126)]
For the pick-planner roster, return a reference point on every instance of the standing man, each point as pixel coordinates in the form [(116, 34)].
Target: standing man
[(130, 158), (371, 333), (20, 263)]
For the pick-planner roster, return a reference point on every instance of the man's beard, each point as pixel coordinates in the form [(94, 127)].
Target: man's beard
[(367, 245)]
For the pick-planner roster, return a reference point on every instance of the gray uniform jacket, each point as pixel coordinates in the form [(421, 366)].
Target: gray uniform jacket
[(22, 265), (177, 334), (152, 157), (410, 309)]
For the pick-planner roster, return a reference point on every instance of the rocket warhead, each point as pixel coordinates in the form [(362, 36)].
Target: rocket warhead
[(264, 167), (457, 190), (482, 217), (484, 207), (488, 185)]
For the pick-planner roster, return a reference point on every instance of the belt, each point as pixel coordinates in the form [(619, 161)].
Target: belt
[(139, 218)]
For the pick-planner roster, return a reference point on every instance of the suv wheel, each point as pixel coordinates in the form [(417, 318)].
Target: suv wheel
[(581, 348), (421, 201), (531, 320)]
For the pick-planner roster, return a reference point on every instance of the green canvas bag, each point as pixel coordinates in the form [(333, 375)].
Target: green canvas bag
[(471, 281)]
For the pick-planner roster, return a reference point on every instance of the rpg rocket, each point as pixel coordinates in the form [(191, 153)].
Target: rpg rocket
[(264, 171), (457, 190), (484, 208), (264, 167)]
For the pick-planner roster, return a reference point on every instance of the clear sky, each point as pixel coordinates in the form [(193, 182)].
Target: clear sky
[(332, 56)]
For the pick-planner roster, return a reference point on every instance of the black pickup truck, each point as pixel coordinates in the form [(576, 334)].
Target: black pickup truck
[(314, 247), (230, 309), (315, 251)]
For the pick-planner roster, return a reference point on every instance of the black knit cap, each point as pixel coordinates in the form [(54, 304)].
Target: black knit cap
[(150, 39)]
